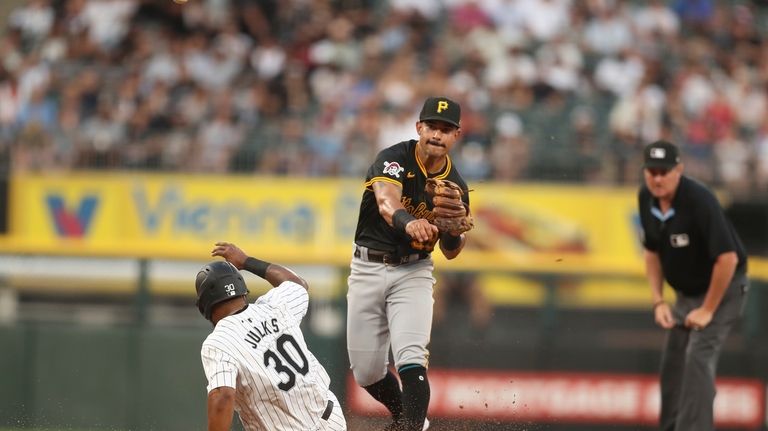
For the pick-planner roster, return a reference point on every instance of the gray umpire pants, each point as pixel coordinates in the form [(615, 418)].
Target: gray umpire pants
[(689, 361)]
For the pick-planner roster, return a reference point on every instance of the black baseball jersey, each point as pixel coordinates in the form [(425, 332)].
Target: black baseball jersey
[(689, 237), (399, 165)]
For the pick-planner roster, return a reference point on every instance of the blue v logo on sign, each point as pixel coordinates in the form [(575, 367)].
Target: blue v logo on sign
[(71, 222)]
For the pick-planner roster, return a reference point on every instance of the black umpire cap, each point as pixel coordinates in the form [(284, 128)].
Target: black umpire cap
[(661, 155), (441, 109)]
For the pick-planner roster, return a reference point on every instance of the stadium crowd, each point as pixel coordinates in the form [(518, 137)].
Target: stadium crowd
[(559, 90)]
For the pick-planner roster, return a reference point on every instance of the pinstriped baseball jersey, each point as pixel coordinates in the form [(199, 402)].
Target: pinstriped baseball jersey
[(261, 352)]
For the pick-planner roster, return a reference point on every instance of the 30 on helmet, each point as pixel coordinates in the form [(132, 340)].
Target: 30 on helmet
[(216, 282)]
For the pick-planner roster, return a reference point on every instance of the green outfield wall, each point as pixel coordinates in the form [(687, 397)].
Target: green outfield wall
[(143, 377)]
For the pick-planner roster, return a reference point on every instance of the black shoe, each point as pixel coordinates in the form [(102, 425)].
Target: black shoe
[(399, 426), (394, 426)]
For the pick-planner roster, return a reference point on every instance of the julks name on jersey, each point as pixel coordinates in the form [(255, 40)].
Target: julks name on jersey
[(260, 331)]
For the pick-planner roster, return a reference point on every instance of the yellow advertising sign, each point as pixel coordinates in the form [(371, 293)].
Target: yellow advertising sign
[(536, 228), (182, 216), (565, 228)]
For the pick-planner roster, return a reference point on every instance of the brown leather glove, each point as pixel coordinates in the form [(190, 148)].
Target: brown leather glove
[(450, 213)]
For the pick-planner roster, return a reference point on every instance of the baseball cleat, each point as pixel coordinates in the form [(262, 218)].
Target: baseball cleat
[(397, 426)]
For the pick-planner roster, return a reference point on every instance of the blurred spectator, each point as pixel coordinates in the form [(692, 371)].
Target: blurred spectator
[(620, 74), (638, 114), (761, 158), (586, 165), (33, 150), (217, 139), (40, 110), (609, 31), (101, 139), (33, 75), (10, 103), (469, 15), (510, 150), (695, 13), (732, 156), (653, 18), (107, 21), (748, 102), (34, 21), (194, 105), (268, 59), (560, 65), (361, 144), (544, 20), (207, 65), (427, 9), (166, 61), (309, 88)]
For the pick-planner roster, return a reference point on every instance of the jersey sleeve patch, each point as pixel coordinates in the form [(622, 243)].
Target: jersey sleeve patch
[(392, 169), (220, 368), (389, 166)]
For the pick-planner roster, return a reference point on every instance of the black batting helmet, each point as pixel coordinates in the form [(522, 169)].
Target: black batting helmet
[(216, 282)]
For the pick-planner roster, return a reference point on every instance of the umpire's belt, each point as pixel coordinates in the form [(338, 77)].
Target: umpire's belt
[(328, 410), (387, 258)]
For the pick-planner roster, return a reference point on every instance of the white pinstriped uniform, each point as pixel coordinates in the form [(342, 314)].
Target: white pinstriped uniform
[(261, 353)]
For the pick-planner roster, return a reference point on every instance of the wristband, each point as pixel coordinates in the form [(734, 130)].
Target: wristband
[(256, 266), (657, 303), (401, 218), (449, 241)]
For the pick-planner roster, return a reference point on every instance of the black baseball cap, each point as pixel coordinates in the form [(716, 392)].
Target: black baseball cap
[(441, 109), (661, 155)]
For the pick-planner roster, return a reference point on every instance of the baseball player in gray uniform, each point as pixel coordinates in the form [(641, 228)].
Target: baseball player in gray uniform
[(390, 284), (256, 360)]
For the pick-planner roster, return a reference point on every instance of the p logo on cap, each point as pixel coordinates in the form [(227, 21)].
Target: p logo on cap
[(441, 109)]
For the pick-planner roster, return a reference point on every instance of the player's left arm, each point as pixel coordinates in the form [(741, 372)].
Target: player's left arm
[(451, 245), (221, 408), (275, 274)]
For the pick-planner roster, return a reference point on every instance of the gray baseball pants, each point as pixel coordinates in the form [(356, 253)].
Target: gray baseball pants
[(388, 305), (689, 361)]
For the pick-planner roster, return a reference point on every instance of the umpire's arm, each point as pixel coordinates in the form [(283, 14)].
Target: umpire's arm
[(653, 272), (221, 408)]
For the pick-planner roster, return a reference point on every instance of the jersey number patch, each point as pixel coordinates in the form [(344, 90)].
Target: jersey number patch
[(284, 362)]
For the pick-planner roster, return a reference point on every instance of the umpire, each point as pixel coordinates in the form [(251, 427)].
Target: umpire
[(689, 243)]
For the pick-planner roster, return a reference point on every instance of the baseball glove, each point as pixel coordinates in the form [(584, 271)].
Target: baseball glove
[(450, 214)]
